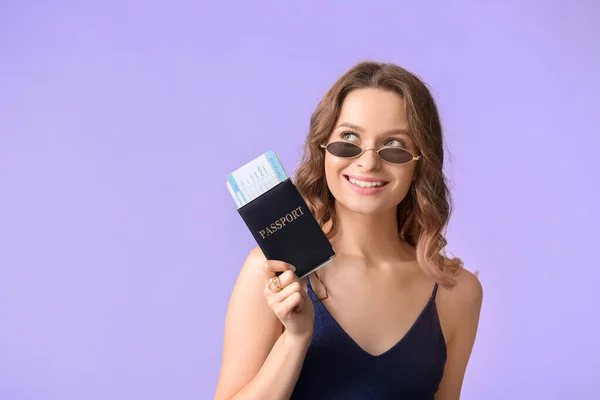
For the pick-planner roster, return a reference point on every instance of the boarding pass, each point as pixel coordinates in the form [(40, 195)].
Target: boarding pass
[(255, 178)]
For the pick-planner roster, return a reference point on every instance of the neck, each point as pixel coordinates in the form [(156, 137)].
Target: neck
[(373, 237)]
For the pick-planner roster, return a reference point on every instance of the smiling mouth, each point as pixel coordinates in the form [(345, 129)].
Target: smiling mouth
[(365, 184)]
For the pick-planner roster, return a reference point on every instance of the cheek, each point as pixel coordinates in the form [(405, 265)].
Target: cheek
[(404, 180), (333, 169)]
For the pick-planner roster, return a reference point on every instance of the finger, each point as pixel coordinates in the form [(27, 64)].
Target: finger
[(271, 267), (293, 303), (305, 296), (275, 298), (285, 280), (304, 284), (277, 283), (281, 264)]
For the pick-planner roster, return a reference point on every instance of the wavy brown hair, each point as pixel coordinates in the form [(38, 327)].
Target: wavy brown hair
[(424, 213)]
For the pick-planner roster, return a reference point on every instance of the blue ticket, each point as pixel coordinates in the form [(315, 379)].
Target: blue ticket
[(255, 178)]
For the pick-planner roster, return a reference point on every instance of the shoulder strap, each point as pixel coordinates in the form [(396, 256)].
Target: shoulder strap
[(435, 289), (308, 282)]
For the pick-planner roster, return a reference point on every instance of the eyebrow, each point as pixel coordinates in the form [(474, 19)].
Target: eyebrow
[(358, 128)]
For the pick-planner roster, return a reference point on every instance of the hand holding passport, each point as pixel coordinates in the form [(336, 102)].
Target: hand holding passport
[(277, 216)]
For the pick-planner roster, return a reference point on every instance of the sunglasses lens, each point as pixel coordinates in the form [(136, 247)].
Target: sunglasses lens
[(392, 155), (395, 155), (343, 149)]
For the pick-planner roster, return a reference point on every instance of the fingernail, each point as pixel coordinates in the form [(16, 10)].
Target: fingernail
[(293, 268)]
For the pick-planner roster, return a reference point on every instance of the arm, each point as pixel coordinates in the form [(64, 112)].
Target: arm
[(259, 361), (466, 299)]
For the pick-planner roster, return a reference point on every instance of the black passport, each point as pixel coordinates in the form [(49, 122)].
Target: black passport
[(285, 229)]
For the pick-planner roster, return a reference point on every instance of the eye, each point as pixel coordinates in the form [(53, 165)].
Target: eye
[(349, 136), (394, 143)]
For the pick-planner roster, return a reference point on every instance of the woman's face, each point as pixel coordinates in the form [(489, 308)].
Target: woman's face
[(370, 118)]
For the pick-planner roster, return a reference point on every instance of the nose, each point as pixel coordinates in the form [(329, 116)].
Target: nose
[(369, 160)]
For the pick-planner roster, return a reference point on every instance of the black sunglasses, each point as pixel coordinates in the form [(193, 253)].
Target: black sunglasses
[(392, 155)]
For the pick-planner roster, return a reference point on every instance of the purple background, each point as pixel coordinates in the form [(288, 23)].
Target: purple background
[(119, 120)]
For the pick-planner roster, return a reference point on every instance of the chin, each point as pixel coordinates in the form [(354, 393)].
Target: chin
[(363, 208)]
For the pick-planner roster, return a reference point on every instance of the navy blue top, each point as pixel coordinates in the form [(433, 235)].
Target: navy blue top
[(336, 367)]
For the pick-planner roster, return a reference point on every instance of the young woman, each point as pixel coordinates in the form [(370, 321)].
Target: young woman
[(392, 317)]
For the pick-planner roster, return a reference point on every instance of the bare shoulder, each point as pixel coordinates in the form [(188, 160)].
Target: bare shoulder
[(468, 290), (458, 308), (253, 264), (461, 302)]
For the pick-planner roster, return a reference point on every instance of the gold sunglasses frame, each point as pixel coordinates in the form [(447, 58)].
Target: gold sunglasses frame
[(362, 151)]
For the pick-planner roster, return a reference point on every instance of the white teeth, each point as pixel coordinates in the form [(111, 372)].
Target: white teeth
[(365, 184)]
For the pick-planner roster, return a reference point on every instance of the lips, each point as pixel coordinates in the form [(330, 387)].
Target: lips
[(365, 181), (365, 186)]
